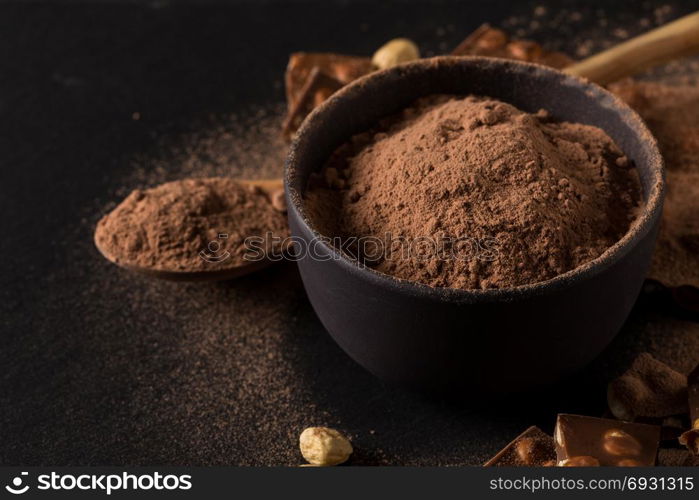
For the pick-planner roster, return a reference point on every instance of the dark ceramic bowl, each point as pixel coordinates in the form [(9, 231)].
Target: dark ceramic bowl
[(490, 340)]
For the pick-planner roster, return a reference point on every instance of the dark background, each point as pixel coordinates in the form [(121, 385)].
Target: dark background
[(101, 367)]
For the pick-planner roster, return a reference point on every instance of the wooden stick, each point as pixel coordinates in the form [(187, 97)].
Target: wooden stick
[(267, 185), (677, 39)]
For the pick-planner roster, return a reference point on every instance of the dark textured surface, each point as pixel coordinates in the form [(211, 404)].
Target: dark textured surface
[(100, 367)]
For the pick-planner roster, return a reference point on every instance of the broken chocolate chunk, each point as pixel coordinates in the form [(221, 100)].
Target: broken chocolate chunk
[(531, 448), (316, 90), (610, 442), (485, 40), (341, 67), (493, 42), (335, 70), (649, 388)]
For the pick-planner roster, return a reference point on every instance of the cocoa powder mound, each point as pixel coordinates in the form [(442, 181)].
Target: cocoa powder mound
[(672, 114), (485, 195), (166, 227), (649, 388)]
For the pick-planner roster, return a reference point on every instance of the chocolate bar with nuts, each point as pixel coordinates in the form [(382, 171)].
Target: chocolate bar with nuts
[(531, 448), (493, 42), (649, 388), (589, 441), (691, 438)]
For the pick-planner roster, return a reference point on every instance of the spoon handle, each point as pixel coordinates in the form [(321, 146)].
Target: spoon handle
[(676, 39), (267, 185)]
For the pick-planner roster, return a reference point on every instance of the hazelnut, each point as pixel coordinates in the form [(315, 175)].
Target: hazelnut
[(579, 461), (620, 443), (691, 440), (324, 446), (395, 52)]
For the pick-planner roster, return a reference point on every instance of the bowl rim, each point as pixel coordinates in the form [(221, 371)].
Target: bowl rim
[(639, 229)]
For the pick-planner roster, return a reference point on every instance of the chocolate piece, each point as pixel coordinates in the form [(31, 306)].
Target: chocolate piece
[(318, 88), (525, 50), (484, 41), (691, 438), (493, 42), (336, 67), (531, 448), (649, 388), (611, 442)]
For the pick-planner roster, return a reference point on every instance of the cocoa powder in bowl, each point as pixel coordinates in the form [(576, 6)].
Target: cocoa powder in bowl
[(472, 193)]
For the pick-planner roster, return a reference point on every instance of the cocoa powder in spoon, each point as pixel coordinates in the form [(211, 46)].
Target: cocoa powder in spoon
[(190, 225)]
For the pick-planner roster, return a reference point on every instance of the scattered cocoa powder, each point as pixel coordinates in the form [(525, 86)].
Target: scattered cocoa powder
[(675, 457), (672, 113), (243, 145), (649, 388), (166, 227), (534, 197), (531, 448), (673, 341)]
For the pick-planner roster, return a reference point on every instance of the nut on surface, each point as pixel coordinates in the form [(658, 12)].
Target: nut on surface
[(324, 446), (394, 52)]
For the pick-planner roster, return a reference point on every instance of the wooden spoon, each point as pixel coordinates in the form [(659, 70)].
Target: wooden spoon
[(677, 39), (273, 188)]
